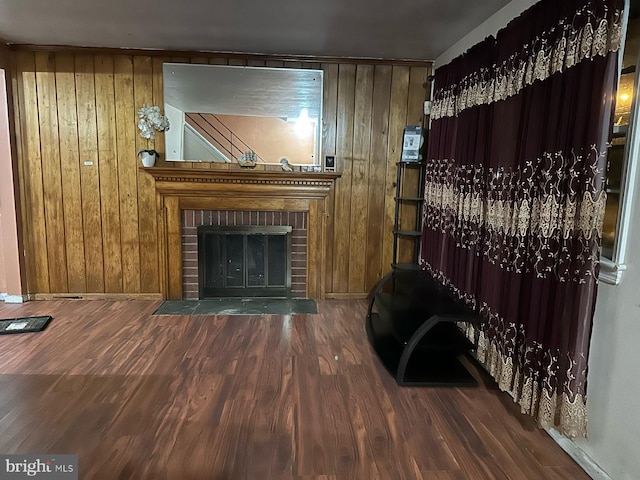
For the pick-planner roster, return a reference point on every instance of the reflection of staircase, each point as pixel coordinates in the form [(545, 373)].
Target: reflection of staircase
[(197, 148), (218, 135)]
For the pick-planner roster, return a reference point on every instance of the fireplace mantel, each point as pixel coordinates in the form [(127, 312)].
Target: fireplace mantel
[(235, 189), (248, 183)]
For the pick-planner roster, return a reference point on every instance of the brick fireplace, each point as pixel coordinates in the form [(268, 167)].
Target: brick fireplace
[(192, 219), (186, 198)]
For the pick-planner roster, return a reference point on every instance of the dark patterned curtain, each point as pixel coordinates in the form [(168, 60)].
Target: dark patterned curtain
[(514, 196)]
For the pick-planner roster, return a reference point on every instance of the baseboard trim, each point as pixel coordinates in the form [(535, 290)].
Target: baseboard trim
[(6, 298), (97, 296), (579, 456), (346, 296)]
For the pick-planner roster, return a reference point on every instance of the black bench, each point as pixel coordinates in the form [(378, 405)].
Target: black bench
[(412, 325)]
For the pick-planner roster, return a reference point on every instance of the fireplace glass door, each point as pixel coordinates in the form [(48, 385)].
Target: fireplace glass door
[(238, 261)]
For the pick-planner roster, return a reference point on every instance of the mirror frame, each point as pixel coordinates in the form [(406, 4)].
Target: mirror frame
[(274, 83)]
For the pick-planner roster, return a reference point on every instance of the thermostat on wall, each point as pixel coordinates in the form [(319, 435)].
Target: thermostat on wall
[(330, 163)]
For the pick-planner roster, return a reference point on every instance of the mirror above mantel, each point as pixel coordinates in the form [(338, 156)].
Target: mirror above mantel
[(220, 112)]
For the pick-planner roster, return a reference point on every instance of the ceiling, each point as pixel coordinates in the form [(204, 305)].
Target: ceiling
[(399, 29)]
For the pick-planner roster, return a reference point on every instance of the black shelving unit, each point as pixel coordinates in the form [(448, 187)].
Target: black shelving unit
[(412, 198), (412, 318)]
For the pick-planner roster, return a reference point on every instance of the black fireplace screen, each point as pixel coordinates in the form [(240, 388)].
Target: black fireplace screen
[(244, 261)]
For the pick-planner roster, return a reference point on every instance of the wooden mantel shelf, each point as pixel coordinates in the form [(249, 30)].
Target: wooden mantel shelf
[(180, 189), (246, 183)]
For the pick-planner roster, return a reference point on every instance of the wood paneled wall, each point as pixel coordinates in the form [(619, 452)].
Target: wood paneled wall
[(89, 213)]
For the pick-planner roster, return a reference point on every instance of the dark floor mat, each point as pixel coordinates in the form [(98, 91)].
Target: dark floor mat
[(24, 324)]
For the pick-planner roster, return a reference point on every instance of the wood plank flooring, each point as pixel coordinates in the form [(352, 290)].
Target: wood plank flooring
[(257, 397)]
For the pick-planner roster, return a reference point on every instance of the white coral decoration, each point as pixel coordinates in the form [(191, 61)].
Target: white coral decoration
[(150, 120)]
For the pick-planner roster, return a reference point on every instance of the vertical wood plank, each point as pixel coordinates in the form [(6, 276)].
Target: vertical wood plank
[(126, 132), (147, 221), (360, 177), (344, 154), (415, 116), (377, 174), (89, 174), (418, 93), (16, 98), (35, 230), (163, 261), (314, 250), (329, 115), (51, 173), (324, 241), (70, 171), (174, 245), (108, 170), (397, 122)]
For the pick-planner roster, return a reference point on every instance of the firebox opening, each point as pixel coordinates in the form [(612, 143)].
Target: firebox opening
[(244, 261)]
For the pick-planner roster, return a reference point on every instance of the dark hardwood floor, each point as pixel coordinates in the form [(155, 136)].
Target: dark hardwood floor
[(138, 396)]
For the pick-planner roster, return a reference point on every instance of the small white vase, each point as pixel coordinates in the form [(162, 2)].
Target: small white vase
[(148, 159)]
